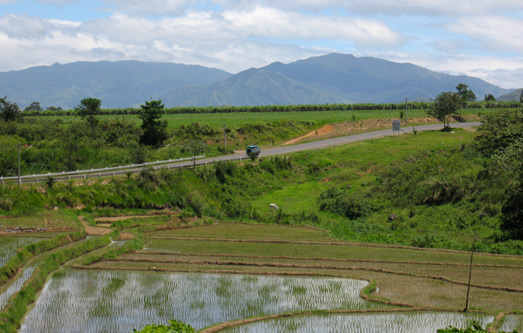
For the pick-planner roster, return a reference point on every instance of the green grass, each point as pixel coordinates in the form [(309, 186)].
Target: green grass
[(227, 190), (217, 120), (319, 251), (246, 231), (44, 219)]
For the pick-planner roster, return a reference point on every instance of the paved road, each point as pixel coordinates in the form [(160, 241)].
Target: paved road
[(334, 142), (265, 152)]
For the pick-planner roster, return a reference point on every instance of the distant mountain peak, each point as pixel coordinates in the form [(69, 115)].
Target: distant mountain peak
[(118, 84), (331, 78)]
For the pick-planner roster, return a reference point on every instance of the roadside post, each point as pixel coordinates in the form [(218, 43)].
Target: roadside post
[(406, 108), (396, 126)]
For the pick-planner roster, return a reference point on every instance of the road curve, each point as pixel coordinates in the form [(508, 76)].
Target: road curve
[(333, 142), (265, 152)]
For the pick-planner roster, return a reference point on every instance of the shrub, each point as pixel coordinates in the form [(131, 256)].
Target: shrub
[(174, 327), (342, 202), (50, 182), (222, 170), (148, 179)]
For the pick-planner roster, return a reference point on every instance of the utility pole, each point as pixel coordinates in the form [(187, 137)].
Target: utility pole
[(470, 272), (19, 180), (406, 107), (224, 139)]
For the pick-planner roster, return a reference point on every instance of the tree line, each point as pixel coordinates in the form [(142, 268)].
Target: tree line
[(48, 146), (154, 130), (490, 104)]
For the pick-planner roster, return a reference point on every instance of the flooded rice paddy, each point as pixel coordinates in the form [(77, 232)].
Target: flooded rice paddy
[(117, 301), (513, 322), (120, 301), (16, 285), (364, 323), (9, 245)]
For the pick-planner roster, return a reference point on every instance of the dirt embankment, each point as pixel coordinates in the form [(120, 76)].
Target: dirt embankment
[(355, 127), (93, 231)]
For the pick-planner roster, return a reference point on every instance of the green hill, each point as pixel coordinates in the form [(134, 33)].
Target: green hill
[(118, 84), (332, 78)]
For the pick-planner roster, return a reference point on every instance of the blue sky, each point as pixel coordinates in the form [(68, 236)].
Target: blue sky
[(482, 38)]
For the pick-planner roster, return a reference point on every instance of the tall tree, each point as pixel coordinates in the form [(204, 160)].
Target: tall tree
[(464, 93), (445, 106), (87, 110), (54, 108), (154, 129), (490, 98), (35, 106), (8, 111)]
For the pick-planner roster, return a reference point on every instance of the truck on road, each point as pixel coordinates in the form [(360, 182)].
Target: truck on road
[(253, 150)]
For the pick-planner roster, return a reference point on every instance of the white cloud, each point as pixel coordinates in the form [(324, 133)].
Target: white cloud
[(198, 38), (269, 22), (387, 7), (151, 7), (509, 79), (250, 34), (501, 71), (492, 32), (233, 41), (24, 27)]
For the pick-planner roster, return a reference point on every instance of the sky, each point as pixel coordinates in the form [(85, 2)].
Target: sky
[(481, 38)]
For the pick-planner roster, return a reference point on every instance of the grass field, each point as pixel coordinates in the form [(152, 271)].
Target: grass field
[(217, 120), (50, 221)]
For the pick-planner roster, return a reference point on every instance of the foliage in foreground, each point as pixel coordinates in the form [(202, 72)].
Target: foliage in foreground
[(174, 327)]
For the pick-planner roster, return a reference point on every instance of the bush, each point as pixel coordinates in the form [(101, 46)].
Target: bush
[(174, 327), (222, 170), (342, 202)]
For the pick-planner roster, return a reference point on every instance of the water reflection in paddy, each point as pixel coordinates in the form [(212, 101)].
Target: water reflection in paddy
[(364, 323), (117, 301)]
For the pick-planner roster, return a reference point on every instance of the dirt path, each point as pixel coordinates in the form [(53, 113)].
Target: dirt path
[(320, 132), (93, 231)]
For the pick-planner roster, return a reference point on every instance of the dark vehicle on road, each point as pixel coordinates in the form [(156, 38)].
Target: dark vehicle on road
[(253, 150)]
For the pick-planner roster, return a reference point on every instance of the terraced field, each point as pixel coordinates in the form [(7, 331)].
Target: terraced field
[(405, 277)]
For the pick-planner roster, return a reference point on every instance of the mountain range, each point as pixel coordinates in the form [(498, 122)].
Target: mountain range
[(117, 84), (331, 78), (512, 96)]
